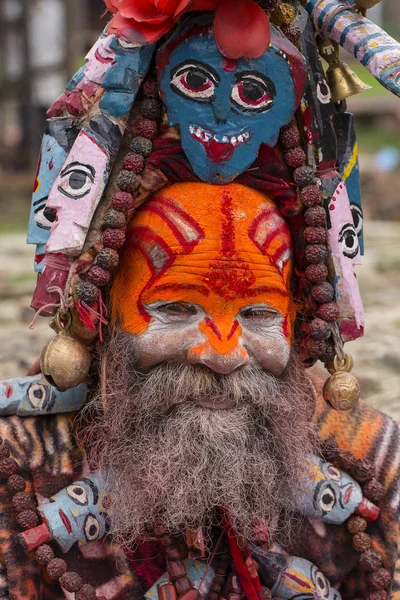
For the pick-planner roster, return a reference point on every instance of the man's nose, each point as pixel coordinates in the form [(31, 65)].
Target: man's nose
[(220, 363), (222, 350)]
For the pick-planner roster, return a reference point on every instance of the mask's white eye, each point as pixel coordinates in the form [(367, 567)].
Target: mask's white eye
[(91, 528), (44, 217), (253, 92), (333, 473), (321, 583), (79, 494), (37, 395), (76, 180), (358, 218), (323, 92), (195, 81), (348, 241), (327, 499)]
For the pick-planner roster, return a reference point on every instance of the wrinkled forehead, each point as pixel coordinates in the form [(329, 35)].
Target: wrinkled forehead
[(225, 236)]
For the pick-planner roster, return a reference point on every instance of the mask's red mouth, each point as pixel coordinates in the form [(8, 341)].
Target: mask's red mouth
[(219, 148)]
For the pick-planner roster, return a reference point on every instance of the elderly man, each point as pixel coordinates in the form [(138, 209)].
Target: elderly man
[(211, 218)]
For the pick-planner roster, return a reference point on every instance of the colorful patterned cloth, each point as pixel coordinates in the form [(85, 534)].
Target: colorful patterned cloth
[(46, 450)]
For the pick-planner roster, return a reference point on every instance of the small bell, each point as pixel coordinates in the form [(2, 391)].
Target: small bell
[(342, 81), (65, 361), (364, 5), (341, 390)]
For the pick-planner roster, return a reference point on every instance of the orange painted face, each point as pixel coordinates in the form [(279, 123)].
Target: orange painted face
[(204, 278)]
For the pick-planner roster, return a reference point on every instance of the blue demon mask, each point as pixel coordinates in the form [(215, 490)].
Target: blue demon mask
[(226, 109)]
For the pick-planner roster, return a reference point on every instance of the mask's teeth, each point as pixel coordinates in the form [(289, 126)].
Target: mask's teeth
[(225, 139), (241, 139), (198, 133), (191, 129), (207, 136), (234, 141)]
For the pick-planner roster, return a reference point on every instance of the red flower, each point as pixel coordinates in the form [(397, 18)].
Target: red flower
[(241, 26)]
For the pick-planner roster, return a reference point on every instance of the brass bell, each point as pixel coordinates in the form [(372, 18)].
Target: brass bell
[(342, 81), (366, 4), (341, 390), (65, 361)]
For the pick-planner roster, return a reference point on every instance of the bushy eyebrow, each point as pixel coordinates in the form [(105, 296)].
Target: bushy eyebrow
[(181, 286)]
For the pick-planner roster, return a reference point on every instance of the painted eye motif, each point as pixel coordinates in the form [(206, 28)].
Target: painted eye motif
[(37, 395), (327, 500), (253, 92), (91, 528), (321, 583), (76, 180), (358, 218), (127, 45), (44, 217), (348, 241), (323, 92), (333, 473), (195, 80), (79, 494)]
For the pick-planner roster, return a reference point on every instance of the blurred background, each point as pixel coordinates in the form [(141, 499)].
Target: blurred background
[(43, 42)]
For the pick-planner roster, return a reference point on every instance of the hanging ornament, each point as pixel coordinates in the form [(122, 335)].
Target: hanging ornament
[(341, 390), (65, 361), (343, 82)]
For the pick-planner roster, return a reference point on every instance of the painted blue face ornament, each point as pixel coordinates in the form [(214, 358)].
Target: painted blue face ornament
[(226, 108)]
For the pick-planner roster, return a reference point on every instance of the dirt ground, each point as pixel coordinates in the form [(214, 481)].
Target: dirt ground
[(377, 355)]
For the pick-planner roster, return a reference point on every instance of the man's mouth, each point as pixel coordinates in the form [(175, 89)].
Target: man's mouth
[(219, 148)]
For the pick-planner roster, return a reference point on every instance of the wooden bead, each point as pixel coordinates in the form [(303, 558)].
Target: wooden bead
[(123, 201), (114, 238), (16, 483), (361, 542), (182, 585), (295, 158), (4, 451), (379, 579), (128, 182), (115, 219), (176, 569), (215, 587), (167, 592), (316, 348), (381, 595), (27, 519), (56, 568), (44, 554), (8, 467), (147, 128), (315, 235), (316, 253), (177, 552), (191, 594), (363, 470), (98, 276), (151, 108), (150, 88), (71, 582), (373, 490), (323, 292), (320, 330), (87, 592), (328, 312), (315, 216), (356, 524), (370, 560), (311, 195), (142, 146), (346, 461), (289, 138), (316, 273), (22, 501), (133, 162), (87, 292), (304, 176)]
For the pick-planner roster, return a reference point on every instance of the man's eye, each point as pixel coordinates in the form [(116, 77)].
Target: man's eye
[(257, 313), (194, 81), (76, 181), (177, 309), (253, 93)]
